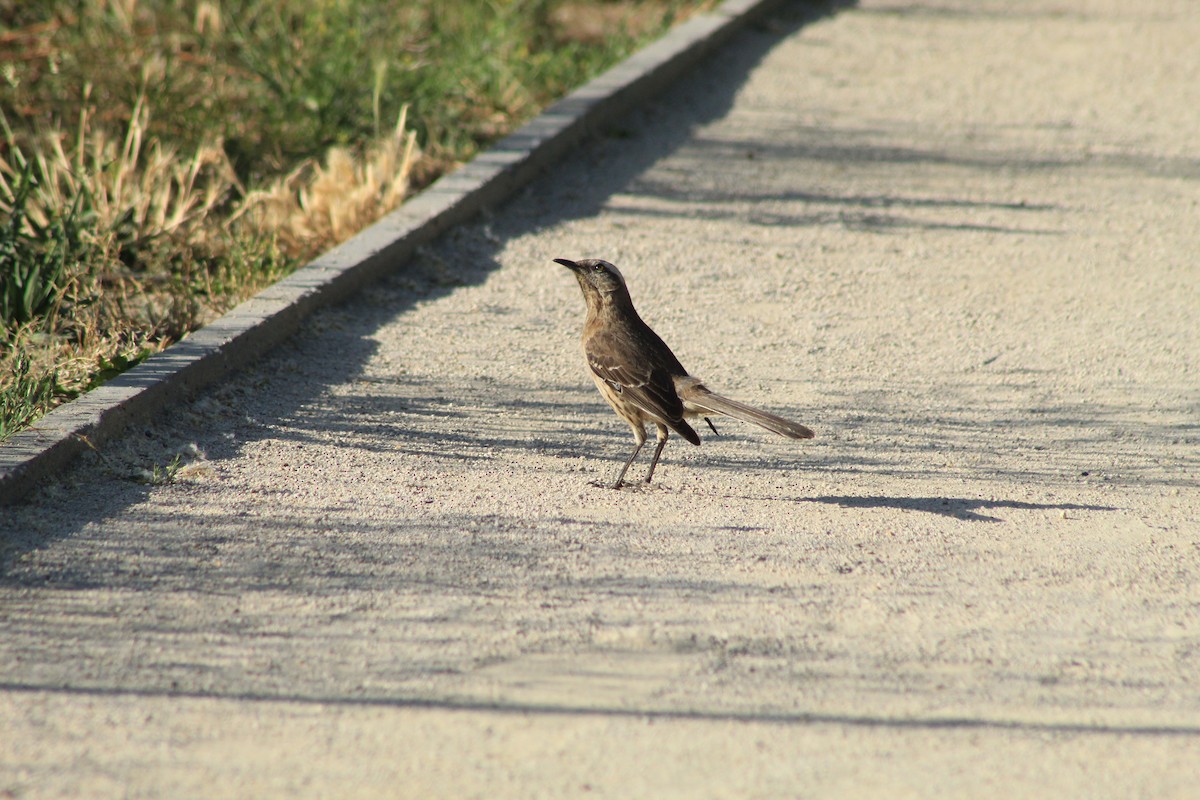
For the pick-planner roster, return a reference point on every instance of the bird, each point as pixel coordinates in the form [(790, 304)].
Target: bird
[(641, 378)]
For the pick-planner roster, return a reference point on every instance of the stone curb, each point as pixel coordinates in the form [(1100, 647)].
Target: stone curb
[(256, 326)]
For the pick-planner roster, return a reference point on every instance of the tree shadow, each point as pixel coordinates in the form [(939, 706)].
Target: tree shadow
[(644, 712), (963, 508)]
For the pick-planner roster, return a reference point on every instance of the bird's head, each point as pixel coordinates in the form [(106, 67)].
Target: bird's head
[(596, 277)]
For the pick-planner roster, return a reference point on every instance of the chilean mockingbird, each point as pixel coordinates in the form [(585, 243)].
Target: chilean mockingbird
[(638, 374)]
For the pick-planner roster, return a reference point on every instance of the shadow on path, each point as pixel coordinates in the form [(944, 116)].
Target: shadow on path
[(963, 508), (766, 717)]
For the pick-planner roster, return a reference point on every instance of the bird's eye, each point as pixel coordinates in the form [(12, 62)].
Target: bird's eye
[(598, 268)]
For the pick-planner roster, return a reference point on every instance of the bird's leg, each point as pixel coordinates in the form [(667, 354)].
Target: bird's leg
[(663, 433), (710, 424), (636, 449)]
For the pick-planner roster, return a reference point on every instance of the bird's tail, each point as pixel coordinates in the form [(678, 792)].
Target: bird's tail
[(698, 399)]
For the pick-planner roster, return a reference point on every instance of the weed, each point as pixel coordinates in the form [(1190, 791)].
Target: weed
[(158, 475), (24, 396), (35, 255)]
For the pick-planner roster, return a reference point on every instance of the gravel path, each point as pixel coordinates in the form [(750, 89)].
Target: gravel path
[(956, 238)]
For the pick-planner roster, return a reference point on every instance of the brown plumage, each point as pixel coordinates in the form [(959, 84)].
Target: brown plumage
[(640, 377)]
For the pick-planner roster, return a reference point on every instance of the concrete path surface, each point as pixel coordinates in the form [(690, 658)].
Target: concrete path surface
[(957, 238)]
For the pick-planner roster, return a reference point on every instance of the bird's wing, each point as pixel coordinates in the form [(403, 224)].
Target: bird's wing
[(646, 384)]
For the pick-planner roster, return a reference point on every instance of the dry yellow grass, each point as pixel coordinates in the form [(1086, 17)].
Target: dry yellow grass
[(141, 189), (318, 206), (133, 182), (129, 191)]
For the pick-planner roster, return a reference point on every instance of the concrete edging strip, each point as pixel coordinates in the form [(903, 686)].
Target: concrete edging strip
[(257, 325)]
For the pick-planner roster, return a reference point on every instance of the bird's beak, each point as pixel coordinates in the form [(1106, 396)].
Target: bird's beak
[(566, 263)]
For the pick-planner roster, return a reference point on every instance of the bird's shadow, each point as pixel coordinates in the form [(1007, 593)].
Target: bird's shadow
[(962, 508)]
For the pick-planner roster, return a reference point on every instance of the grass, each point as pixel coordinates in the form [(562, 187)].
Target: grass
[(161, 160)]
